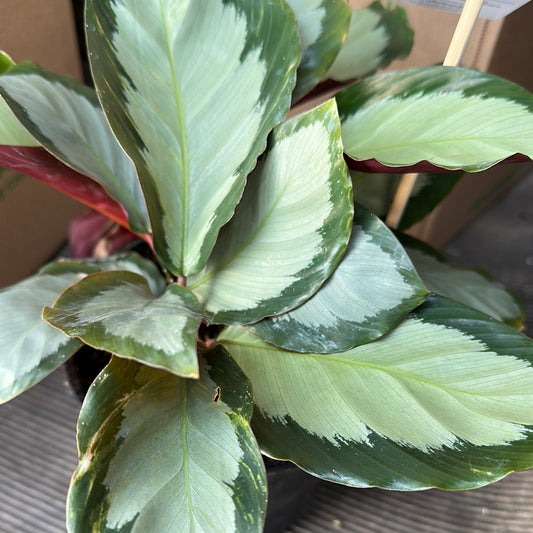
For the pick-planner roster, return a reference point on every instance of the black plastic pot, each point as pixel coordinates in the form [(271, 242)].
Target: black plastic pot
[(290, 489)]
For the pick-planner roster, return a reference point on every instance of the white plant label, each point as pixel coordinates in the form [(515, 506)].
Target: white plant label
[(492, 9)]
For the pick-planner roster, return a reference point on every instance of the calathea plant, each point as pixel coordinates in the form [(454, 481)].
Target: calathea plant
[(275, 317)]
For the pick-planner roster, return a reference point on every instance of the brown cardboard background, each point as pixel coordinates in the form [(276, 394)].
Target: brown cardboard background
[(34, 218), (501, 47), (433, 30)]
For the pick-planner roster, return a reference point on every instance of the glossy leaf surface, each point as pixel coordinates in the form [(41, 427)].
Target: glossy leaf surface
[(453, 118), (66, 118), (445, 400), (29, 347), (377, 35), (192, 148), (467, 286), (372, 289), (184, 446), (323, 25), (290, 229), (117, 312), (132, 262)]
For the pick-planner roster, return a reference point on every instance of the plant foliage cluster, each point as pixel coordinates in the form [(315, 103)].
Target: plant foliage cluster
[(279, 317)]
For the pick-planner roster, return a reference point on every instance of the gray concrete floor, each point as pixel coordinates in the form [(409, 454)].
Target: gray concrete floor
[(37, 457), (37, 430)]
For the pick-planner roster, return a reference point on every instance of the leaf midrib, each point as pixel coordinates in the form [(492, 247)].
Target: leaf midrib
[(184, 447), (454, 140), (182, 140), (131, 206), (352, 363), (224, 264)]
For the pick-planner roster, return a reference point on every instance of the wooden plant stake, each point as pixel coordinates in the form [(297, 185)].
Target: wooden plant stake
[(460, 38)]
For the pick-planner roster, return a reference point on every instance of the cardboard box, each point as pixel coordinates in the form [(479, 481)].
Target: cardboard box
[(501, 47), (34, 217)]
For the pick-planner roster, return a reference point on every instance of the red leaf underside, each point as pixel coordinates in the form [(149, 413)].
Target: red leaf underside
[(37, 163), (373, 165)]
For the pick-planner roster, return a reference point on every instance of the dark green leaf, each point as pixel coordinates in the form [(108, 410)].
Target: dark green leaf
[(445, 400), (429, 191), (192, 90), (450, 117), (289, 230), (375, 191), (117, 312), (372, 289), (184, 447)]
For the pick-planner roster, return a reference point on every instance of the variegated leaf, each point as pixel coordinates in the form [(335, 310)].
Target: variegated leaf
[(448, 117), (132, 262), (467, 286), (290, 229), (323, 25), (184, 446), (377, 35), (445, 400), (191, 90), (372, 289), (65, 117), (11, 131), (29, 347), (117, 312)]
